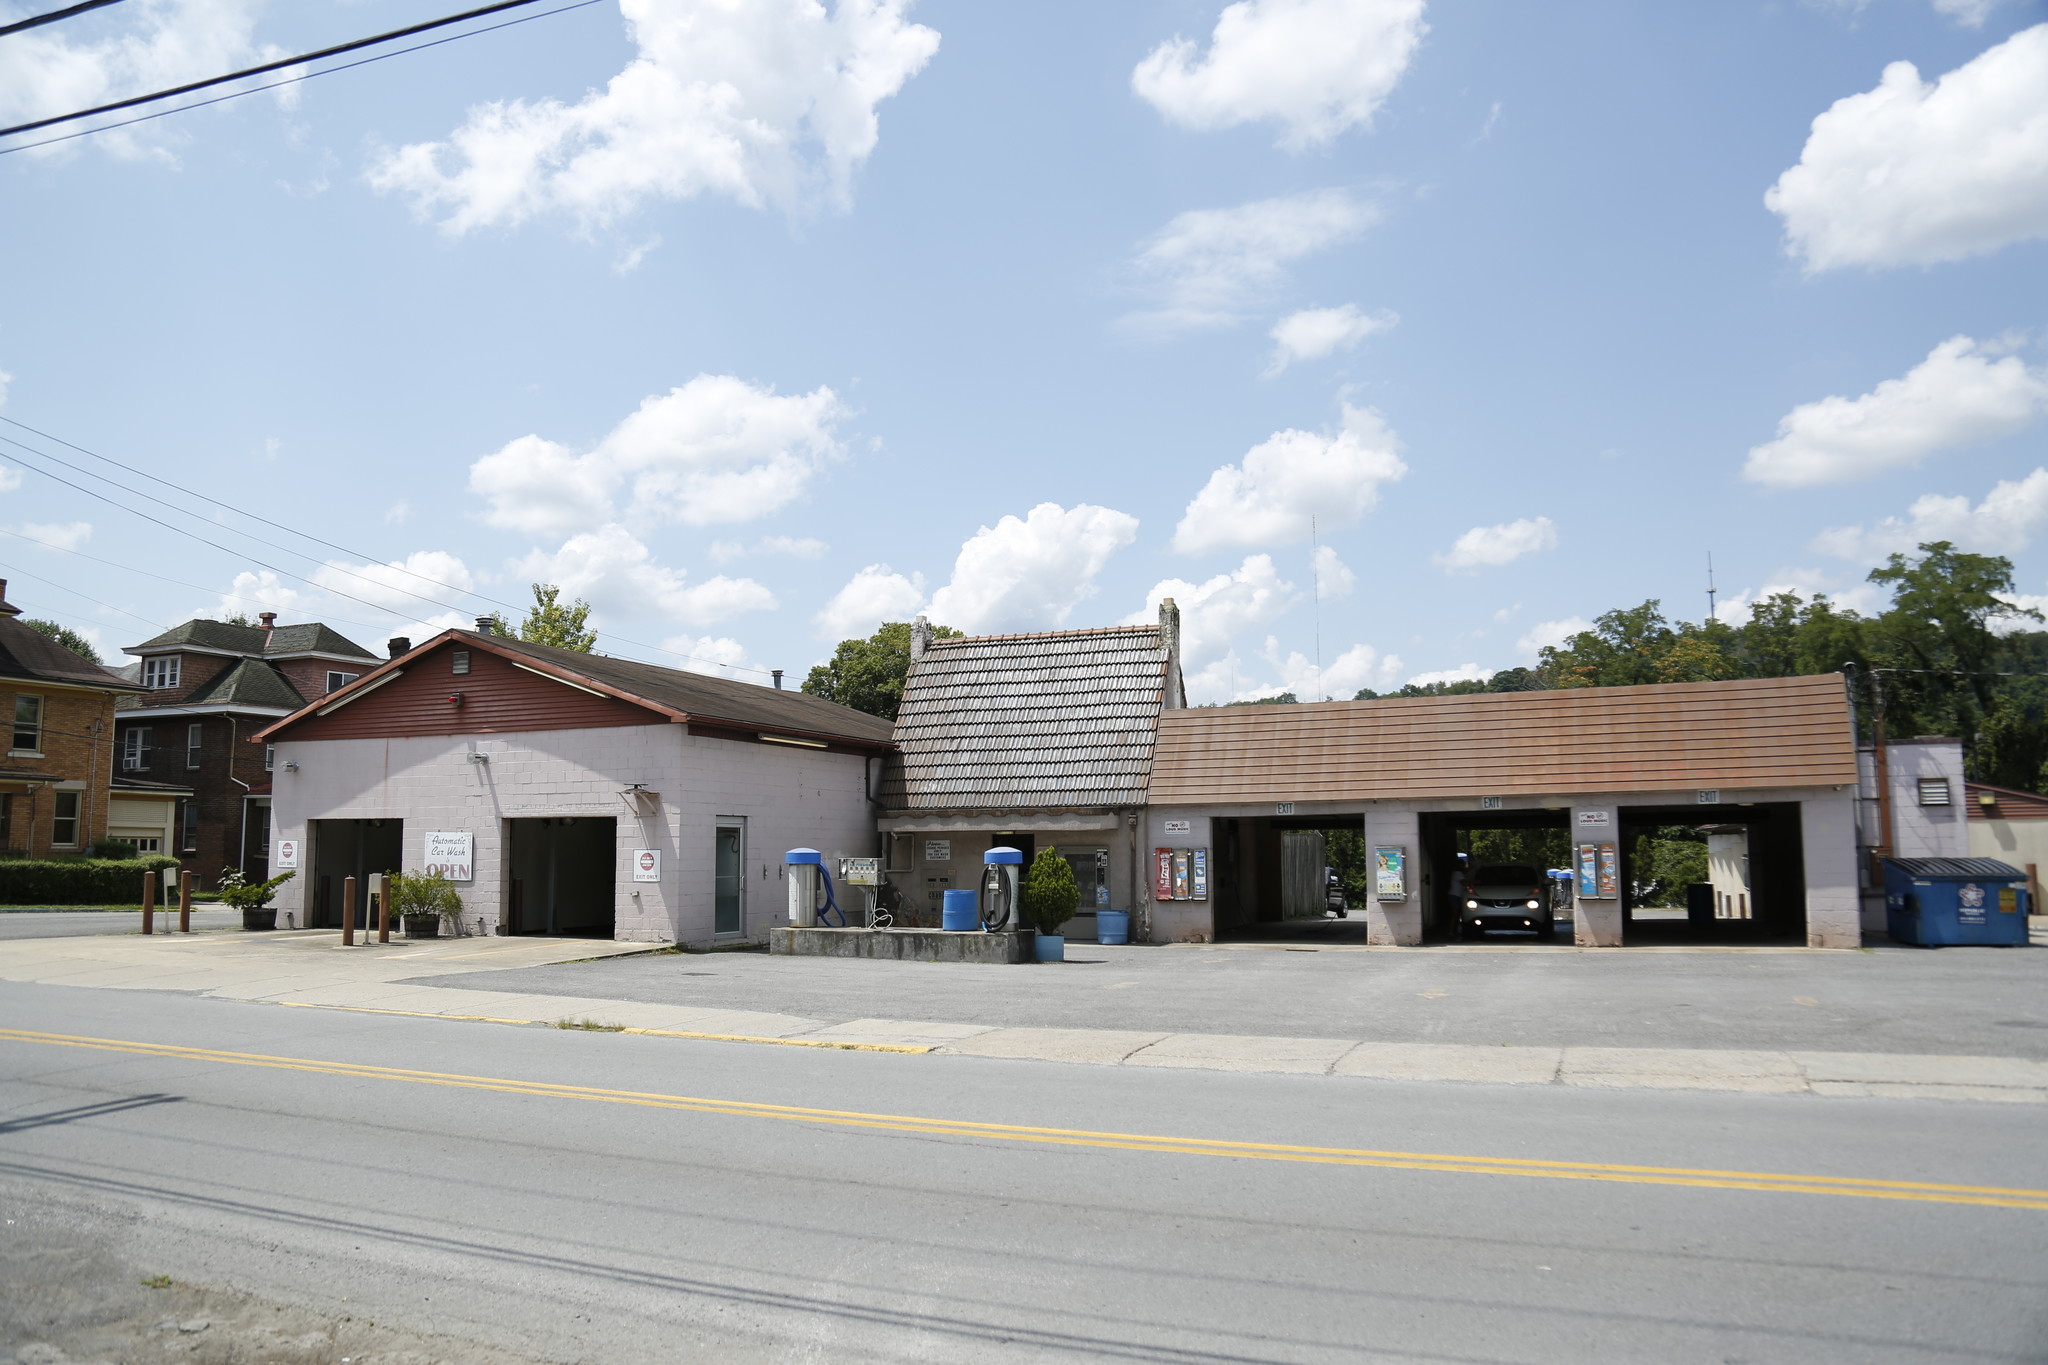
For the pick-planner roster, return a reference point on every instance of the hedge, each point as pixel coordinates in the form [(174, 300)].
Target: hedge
[(86, 881)]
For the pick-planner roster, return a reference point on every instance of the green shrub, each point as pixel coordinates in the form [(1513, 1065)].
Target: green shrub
[(113, 848), (1050, 895), (83, 881), (238, 893), (424, 893)]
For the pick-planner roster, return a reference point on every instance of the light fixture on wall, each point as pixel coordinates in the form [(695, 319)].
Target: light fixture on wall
[(476, 757), (791, 739), (291, 765)]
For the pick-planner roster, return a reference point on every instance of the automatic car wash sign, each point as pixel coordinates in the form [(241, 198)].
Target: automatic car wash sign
[(450, 853)]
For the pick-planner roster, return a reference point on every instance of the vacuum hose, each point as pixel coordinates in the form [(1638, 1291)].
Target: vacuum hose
[(831, 902)]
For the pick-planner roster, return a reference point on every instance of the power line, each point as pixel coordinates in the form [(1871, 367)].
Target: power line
[(278, 65), (60, 587), (290, 80), (55, 15)]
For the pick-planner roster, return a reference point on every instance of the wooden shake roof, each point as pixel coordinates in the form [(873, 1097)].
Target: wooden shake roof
[(1761, 732)]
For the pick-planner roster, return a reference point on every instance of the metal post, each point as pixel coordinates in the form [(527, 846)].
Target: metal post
[(149, 902), (184, 902), (2034, 891), (383, 907), (1884, 774), (348, 912)]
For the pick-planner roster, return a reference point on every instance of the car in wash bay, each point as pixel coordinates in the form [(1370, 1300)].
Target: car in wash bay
[(1506, 896)]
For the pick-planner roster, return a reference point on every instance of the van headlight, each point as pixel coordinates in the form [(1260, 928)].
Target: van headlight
[(1534, 905), (1471, 905)]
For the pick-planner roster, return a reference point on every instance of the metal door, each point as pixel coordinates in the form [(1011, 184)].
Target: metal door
[(729, 875)]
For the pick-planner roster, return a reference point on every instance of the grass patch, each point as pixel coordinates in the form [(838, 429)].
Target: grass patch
[(157, 1282), (588, 1026)]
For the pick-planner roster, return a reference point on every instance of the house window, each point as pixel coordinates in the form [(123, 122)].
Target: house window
[(259, 828), (192, 734), (458, 661), (28, 724), (269, 757), (337, 681), (135, 748), (161, 671), (64, 824), (1934, 791), (188, 828), (150, 843)]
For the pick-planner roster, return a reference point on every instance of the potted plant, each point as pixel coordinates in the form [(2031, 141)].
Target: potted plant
[(422, 900), (1050, 898), (252, 899)]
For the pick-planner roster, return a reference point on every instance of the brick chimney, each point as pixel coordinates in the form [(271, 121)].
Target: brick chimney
[(1169, 636), (920, 637)]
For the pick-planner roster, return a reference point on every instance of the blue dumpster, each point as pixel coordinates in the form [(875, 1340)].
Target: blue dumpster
[(1942, 902)]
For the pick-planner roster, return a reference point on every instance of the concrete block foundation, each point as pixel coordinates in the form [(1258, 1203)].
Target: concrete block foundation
[(903, 945)]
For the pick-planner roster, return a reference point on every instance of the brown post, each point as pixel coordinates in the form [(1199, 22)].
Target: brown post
[(383, 907), (2034, 891), (149, 902), (348, 912), (185, 902)]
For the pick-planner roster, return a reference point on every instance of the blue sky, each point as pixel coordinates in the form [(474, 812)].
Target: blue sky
[(759, 323)]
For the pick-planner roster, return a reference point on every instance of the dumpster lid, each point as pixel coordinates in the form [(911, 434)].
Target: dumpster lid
[(1987, 869)]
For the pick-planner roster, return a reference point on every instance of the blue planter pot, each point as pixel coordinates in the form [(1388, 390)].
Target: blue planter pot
[(1050, 947), (1112, 926)]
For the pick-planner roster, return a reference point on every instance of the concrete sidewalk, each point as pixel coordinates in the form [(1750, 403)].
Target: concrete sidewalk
[(310, 969)]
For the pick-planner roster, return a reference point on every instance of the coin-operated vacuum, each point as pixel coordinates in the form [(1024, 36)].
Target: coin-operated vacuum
[(1002, 871), (807, 879)]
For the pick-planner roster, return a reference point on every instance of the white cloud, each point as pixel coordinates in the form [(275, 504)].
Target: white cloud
[(5, 380), (66, 535), (874, 595), (398, 513), (1029, 574), (1341, 678), (1290, 477), (612, 570), (1912, 173), (251, 593), (1206, 267), (720, 656), (44, 71), (1968, 13), (1958, 396), (1462, 673), (1314, 333), (2005, 521), (794, 547), (1489, 547), (718, 449), (1546, 633), (10, 479), (1218, 610), (769, 103), (1506, 614), (1316, 67), (402, 586), (1333, 576)]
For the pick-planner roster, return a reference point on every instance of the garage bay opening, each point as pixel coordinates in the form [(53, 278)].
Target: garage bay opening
[(1291, 878), (1496, 876), (350, 848), (560, 876)]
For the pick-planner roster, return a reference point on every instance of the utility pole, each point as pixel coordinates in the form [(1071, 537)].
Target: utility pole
[(1710, 585), (1315, 593)]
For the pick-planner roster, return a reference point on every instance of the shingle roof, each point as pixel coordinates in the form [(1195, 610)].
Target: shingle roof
[(26, 653), (1064, 719), (1757, 732), (252, 682), (201, 633)]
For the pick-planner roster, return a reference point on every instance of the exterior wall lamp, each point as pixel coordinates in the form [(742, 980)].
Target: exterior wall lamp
[(291, 765), (476, 757)]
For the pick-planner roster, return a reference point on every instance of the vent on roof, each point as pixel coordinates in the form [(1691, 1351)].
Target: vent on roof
[(1934, 791)]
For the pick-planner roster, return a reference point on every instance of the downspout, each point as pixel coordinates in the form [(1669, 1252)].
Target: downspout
[(242, 844), (1144, 920), (93, 780)]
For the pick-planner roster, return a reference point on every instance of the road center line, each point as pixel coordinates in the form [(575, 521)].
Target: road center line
[(1776, 1182)]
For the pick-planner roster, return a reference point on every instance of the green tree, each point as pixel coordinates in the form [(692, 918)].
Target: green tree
[(1049, 896), (1278, 699), (868, 675), (551, 622), (64, 636)]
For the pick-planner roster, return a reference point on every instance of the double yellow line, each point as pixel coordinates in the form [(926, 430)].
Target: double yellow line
[(1770, 1182)]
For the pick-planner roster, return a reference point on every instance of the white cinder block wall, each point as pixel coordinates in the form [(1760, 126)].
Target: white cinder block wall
[(788, 797)]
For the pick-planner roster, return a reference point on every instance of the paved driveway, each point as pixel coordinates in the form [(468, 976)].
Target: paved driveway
[(71, 923)]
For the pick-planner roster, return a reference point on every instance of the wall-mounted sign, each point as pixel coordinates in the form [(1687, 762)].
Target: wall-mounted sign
[(448, 852), (1610, 873), (1162, 874), (1595, 819), (1489, 803), (646, 864), (1180, 827), (1102, 894), (1390, 874), (1180, 874), (1586, 863), (860, 871), (284, 853), (1198, 873), (1284, 808), (1708, 796), (938, 850)]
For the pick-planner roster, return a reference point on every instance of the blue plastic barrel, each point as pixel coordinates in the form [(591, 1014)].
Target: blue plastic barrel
[(1112, 926), (960, 912)]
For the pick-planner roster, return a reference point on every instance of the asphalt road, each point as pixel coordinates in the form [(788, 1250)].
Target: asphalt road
[(491, 1202), (1974, 1001), (71, 923)]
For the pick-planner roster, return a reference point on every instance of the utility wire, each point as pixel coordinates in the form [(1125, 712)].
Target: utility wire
[(38, 578), (68, 12), (278, 65), (289, 80)]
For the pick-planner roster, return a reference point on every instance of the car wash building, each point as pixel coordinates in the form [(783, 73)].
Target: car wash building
[(567, 793), (1765, 768)]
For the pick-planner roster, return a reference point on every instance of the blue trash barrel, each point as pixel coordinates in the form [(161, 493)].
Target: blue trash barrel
[(960, 912), (1112, 926)]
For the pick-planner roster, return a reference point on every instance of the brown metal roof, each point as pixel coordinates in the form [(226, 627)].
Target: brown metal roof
[(1759, 732), (1062, 719), (2006, 803)]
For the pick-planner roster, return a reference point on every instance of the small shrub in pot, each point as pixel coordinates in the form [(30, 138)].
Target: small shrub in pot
[(1050, 897), (252, 898), (422, 900)]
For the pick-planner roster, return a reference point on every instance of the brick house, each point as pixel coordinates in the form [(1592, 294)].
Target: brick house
[(200, 691), (58, 768)]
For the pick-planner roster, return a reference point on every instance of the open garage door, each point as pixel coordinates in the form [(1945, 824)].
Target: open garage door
[(1288, 878), (1478, 870), (1722, 874), (350, 848), (561, 873)]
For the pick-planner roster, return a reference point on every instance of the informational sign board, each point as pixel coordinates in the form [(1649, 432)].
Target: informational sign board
[(448, 852), (938, 850), (1586, 863), (1162, 874), (1595, 819), (284, 853), (1180, 874), (1198, 873), (1390, 874), (646, 864), (1180, 827), (1610, 873), (860, 871)]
